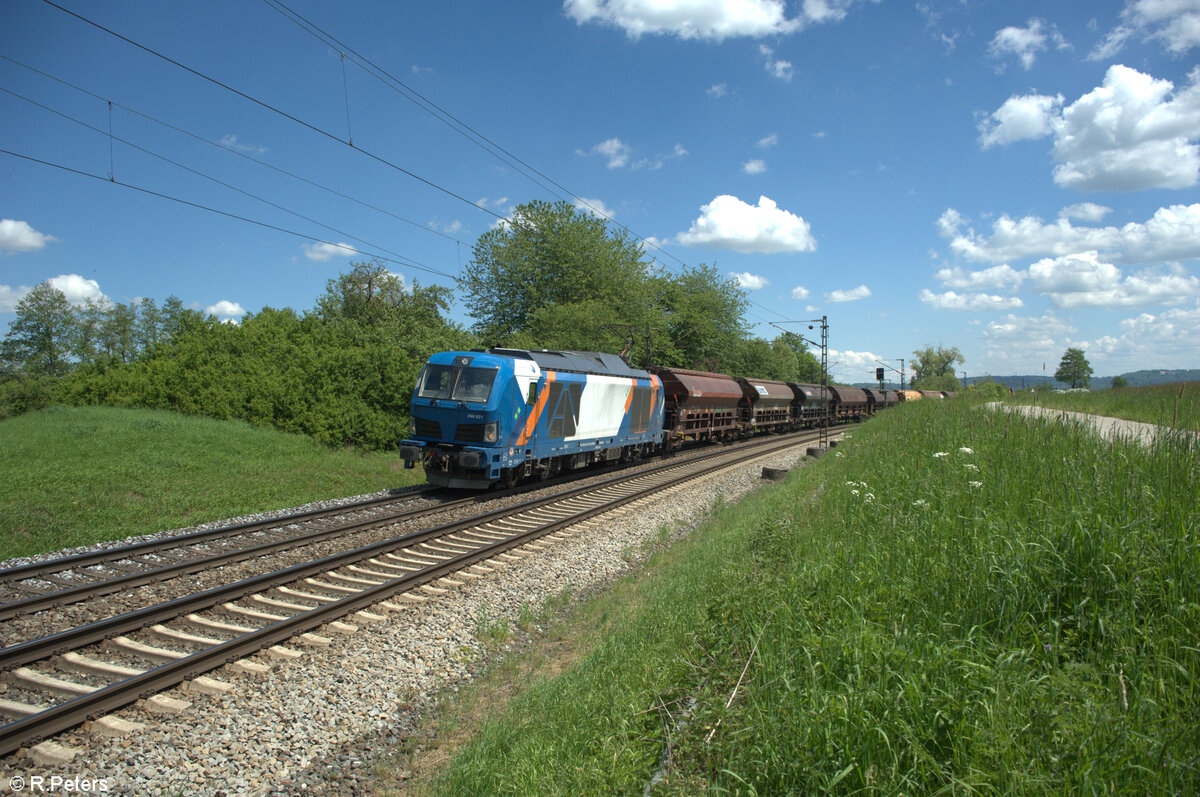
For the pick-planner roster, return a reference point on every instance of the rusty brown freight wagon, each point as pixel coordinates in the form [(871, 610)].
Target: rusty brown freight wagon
[(698, 405)]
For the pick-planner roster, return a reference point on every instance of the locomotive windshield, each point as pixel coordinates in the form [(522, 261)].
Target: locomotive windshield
[(457, 383)]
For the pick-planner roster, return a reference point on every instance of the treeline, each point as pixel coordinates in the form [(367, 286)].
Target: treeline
[(343, 372), (553, 276)]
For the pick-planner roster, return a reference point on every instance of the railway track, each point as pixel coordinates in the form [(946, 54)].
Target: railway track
[(56, 582), (38, 586), (58, 681)]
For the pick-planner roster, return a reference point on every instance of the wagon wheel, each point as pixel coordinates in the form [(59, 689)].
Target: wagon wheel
[(510, 476)]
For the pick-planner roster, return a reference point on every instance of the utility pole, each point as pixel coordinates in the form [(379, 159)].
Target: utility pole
[(823, 439), (893, 370)]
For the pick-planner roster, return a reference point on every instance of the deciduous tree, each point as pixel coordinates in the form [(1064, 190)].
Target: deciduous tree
[(39, 339), (933, 368), (549, 255), (1074, 369)]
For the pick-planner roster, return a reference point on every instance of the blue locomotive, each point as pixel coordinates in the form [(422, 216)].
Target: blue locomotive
[(498, 416)]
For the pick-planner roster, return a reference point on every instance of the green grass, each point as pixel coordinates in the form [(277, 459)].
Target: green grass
[(1175, 405), (77, 475), (1020, 618)]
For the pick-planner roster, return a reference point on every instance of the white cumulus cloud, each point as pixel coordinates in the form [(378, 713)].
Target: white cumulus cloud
[(1132, 133), (755, 166), (1085, 211), (1172, 233), (851, 365), (768, 141), (799, 292), (729, 223), (614, 150), (851, 295), (226, 310), (776, 67), (77, 289), (951, 300), (595, 207), (751, 282), (701, 19), (1003, 277), (1084, 280), (324, 251), (18, 236), (1025, 43), (1175, 24), (1167, 338), (1036, 334), (1019, 119), (10, 297)]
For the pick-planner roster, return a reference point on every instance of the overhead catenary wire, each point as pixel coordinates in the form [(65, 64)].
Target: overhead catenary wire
[(462, 128), (267, 106), (202, 175), (423, 102), (217, 211), (231, 150), (453, 122), (407, 91)]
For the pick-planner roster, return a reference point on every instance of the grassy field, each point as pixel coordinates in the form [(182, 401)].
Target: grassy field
[(76, 475), (957, 601), (1177, 405)]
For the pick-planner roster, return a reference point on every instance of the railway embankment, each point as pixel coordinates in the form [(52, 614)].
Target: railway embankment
[(955, 599)]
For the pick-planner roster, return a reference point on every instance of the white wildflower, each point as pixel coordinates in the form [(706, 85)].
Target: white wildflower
[(854, 492), (869, 497), (852, 484), (920, 502), (975, 484), (838, 454), (965, 450), (969, 466), (939, 454)]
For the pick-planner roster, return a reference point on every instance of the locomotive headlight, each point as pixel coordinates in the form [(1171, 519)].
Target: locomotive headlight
[(412, 427), (490, 432)]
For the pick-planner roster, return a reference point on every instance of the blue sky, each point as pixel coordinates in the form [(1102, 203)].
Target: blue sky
[(1011, 178)]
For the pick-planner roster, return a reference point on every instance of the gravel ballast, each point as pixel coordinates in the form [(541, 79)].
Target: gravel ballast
[(316, 725)]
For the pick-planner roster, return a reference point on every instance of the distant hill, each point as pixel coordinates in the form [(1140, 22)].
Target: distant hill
[(1026, 381), (1156, 377), (1135, 379)]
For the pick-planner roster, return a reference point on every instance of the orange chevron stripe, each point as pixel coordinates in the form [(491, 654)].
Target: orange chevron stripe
[(629, 398), (538, 407)]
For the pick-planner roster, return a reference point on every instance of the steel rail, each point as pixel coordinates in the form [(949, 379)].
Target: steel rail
[(75, 711), (184, 566), (90, 558), (128, 580), (22, 653)]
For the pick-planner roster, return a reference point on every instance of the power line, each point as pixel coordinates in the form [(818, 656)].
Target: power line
[(450, 120), (111, 138), (227, 214), (421, 101), (401, 88), (231, 150), (272, 108), (462, 128)]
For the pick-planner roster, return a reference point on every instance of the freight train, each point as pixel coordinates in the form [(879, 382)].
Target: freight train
[(482, 418)]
